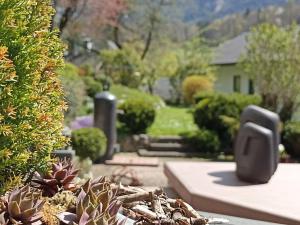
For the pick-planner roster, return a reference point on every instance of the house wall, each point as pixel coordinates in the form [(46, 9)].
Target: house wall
[(163, 88), (224, 82), (224, 79)]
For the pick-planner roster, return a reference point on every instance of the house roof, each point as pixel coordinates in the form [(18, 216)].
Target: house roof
[(230, 51)]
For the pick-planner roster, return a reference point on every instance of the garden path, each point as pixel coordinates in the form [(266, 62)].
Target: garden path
[(150, 176)]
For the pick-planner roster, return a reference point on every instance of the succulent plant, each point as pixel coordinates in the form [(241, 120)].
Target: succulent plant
[(97, 185), (22, 206), (96, 205), (59, 178)]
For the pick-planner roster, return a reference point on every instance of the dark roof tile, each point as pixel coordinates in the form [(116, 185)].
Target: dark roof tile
[(230, 51)]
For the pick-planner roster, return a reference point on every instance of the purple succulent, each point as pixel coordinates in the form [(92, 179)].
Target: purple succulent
[(95, 205), (22, 206), (59, 178)]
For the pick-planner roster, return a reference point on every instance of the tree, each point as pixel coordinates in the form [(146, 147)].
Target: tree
[(123, 66), (82, 21), (159, 63), (144, 22), (193, 59), (31, 97), (90, 15), (272, 60)]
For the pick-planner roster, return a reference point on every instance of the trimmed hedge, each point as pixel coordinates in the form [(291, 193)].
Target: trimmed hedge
[(74, 89), (291, 138), (211, 110), (137, 115), (195, 84), (203, 140), (89, 142), (92, 86)]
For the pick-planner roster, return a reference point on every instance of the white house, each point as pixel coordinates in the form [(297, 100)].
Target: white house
[(229, 77)]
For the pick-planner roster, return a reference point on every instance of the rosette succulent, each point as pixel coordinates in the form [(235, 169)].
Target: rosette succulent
[(21, 206), (59, 178), (96, 205)]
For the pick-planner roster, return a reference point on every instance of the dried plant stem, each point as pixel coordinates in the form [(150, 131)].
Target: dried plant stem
[(155, 208), (145, 212)]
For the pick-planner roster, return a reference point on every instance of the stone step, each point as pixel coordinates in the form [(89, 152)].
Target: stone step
[(168, 147), (122, 160), (167, 139), (146, 153)]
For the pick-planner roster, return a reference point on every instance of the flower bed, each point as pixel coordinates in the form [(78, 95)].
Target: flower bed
[(55, 198)]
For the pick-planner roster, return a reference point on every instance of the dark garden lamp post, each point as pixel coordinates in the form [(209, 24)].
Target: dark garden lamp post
[(105, 114)]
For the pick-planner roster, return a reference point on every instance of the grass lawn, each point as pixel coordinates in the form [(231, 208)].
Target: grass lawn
[(172, 121), (123, 93)]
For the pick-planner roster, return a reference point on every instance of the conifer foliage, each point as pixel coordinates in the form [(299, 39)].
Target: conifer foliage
[(31, 98)]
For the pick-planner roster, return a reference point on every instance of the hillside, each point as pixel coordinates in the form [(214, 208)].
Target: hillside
[(232, 25), (207, 10)]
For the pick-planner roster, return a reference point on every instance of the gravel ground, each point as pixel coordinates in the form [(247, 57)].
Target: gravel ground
[(149, 176)]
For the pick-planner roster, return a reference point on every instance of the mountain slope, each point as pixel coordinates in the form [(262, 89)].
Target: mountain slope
[(207, 10)]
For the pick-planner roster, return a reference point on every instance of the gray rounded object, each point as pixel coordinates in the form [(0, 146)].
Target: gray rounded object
[(254, 153), (267, 119), (63, 154), (105, 114)]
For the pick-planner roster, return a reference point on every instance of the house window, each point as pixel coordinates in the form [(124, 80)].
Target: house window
[(251, 87), (237, 83)]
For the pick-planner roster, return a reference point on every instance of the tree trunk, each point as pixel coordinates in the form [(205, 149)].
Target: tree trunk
[(54, 4), (287, 111), (150, 88), (270, 101), (148, 43), (117, 37), (65, 19)]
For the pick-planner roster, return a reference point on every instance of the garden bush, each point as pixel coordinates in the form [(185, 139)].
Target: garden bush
[(203, 95), (92, 86), (74, 89), (137, 115), (203, 140), (31, 97), (89, 142), (218, 112), (241, 100), (291, 138), (195, 84)]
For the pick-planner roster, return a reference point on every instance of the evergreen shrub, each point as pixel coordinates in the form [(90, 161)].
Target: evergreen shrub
[(218, 112), (74, 89), (291, 138), (31, 96), (203, 140), (137, 115), (89, 143), (193, 85)]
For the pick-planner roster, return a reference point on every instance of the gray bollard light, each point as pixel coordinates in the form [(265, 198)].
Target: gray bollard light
[(105, 119)]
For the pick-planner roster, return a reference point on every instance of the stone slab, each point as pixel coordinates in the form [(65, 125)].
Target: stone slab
[(235, 220), (214, 187), (132, 161)]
